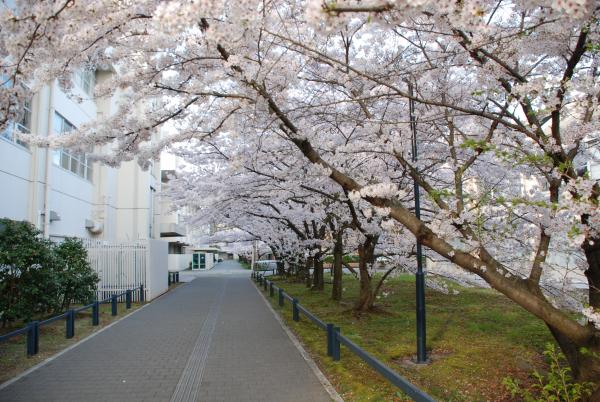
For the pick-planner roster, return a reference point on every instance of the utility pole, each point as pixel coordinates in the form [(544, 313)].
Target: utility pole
[(420, 276)]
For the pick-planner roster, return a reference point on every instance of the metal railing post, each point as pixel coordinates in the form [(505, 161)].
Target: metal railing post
[(142, 293), (96, 313), (70, 324), (330, 340), (281, 297), (33, 338), (295, 311), (265, 284), (336, 344), (128, 299), (271, 289), (113, 303)]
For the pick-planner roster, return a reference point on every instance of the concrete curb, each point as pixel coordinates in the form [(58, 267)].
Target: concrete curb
[(305, 355)]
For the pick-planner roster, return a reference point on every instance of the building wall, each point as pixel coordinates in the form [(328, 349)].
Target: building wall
[(119, 200), (15, 164)]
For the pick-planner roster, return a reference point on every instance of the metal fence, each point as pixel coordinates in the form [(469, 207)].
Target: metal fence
[(335, 339), (120, 266), (33, 328)]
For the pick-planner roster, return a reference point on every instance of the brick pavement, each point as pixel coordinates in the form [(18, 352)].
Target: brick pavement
[(212, 339)]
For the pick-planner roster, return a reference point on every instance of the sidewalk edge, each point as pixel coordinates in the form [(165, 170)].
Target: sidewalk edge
[(305, 355)]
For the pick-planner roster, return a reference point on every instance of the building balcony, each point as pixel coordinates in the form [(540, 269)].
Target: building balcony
[(172, 230)]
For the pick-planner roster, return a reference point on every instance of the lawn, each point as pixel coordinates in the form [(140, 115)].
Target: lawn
[(13, 356), (475, 339)]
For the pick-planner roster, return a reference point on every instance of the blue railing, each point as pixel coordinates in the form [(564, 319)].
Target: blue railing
[(335, 339), (33, 328)]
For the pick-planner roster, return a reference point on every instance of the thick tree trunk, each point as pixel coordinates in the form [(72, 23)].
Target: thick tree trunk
[(584, 360), (338, 254), (366, 255), (586, 365)]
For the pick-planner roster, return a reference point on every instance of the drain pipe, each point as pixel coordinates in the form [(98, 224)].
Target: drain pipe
[(48, 164)]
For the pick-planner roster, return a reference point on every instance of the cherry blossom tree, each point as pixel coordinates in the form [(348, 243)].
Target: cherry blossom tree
[(505, 93)]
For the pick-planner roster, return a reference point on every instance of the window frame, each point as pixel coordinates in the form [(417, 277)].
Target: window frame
[(86, 81), (24, 125), (73, 162)]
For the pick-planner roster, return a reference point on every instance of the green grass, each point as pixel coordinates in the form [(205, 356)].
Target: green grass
[(476, 338), (13, 353)]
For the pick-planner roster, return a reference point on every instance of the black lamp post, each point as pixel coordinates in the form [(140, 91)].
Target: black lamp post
[(420, 276)]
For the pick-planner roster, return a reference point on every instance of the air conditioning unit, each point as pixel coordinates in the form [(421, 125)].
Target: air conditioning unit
[(54, 216)]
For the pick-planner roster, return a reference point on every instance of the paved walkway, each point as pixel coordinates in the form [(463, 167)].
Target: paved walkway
[(212, 339)]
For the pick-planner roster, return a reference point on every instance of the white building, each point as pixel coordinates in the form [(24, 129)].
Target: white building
[(61, 192)]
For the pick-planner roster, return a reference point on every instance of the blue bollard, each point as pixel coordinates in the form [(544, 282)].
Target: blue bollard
[(96, 313), (265, 284), (330, 340), (113, 302), (295, 311), (128, 299), (336, 344), (33, 338), (280, 297), (70, 324)]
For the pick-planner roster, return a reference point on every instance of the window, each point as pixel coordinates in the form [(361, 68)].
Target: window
[(23, 125), (75, 162), (85, 80)]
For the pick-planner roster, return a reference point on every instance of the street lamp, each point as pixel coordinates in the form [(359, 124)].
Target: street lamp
[(420, 276)]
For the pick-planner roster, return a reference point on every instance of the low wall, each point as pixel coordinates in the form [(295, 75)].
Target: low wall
[(157, 268), (179, 262)]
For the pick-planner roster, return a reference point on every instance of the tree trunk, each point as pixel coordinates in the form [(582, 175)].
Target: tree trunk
[(338, 254), (586, 366), (366, 255), (318, 277), (584, 360), (592, 255), (309, 263)]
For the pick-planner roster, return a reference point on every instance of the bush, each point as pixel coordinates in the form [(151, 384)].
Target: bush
[(557, 385), (37, 276), (77, 281), (28, 284)]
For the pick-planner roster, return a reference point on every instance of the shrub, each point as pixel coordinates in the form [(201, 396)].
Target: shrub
[(77, 281), (28, 282), (37, 276), (557, 385)]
